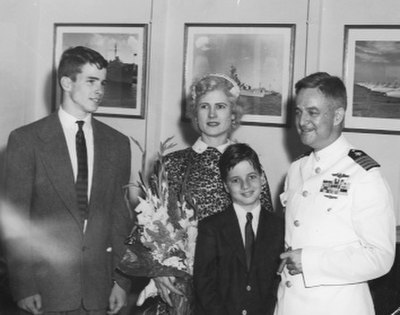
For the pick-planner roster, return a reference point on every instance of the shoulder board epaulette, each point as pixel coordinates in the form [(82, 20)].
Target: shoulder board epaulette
[(303, 155), (363, 159)]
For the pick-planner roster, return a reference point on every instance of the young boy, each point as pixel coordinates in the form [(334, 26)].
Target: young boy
[(237, 250)]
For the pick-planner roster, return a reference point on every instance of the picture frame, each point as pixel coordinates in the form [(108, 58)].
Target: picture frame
[(259, 57), (124, 46), (371, 72)]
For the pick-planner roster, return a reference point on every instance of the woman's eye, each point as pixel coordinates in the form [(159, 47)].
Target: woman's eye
[(203, 106), (221, 106)]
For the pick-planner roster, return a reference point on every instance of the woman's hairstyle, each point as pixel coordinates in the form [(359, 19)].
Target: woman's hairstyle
[(73, 59), (214, 82), (330, 86), (236, 153)]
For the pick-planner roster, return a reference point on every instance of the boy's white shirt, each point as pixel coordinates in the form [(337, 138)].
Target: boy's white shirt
[(241, 216)]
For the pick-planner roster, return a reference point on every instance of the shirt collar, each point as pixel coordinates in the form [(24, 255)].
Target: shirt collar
[(336, 148), (241, 213), (200, 146), (69, 121)]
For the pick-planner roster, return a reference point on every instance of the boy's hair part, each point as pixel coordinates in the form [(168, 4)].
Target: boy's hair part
[(74, 58), (236, 153)]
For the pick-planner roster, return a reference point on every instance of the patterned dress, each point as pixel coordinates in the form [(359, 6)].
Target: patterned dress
[(197, 176)]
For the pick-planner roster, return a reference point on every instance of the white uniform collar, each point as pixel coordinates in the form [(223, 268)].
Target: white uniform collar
[(337, 148), (200, 146)]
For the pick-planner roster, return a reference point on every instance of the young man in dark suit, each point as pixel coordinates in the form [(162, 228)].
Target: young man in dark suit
[(66, 219), (237, 250)]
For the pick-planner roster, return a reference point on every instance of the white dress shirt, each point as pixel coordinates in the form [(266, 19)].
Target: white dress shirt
[(241, 216)]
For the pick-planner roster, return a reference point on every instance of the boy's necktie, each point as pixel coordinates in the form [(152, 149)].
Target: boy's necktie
[(81, 184), (249, 239)]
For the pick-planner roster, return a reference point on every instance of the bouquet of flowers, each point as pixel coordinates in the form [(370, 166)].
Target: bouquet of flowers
[(162, 242)]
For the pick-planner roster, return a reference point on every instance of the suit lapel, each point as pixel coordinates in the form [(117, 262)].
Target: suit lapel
[(233, 235), (101, 167), (264, 231), (56, 160)]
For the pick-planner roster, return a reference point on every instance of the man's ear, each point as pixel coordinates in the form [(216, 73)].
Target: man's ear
[(65, 83), (339, 116)]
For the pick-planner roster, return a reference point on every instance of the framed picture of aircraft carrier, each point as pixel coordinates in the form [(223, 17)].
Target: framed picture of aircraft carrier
[(371, 73), (259, 57), (124, 46)]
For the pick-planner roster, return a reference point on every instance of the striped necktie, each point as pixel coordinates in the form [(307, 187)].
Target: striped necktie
[(81, 184)]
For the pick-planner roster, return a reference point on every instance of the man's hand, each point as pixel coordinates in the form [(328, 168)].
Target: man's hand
[(164, 286), (117, 299), (293, 261), (31, 304)]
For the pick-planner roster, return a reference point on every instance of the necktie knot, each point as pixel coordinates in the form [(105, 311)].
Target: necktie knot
[(249, 216), (80, 124)]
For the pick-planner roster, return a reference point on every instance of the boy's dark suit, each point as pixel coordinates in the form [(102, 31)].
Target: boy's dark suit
[(222, 284), (56, 259)]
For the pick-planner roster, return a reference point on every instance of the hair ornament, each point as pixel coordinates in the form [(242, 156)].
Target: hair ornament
[(235, 90)]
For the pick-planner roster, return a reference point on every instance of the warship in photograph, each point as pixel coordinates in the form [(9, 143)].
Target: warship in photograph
[(248, 90), (120, 72), (121, 88), (259, 100), (390, 89)]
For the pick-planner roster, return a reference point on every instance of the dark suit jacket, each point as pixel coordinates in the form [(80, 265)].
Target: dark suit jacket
[(222, 283), (49, 254)]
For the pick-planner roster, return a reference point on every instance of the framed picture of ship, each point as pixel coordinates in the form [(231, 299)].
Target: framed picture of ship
[(124, 46), (259, 57), (372, 77)]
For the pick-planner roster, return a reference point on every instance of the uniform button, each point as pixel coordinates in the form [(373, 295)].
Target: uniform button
[(318, 170), (296, 223), (244, 312), (305, 193), (248, 288), (288, 284)]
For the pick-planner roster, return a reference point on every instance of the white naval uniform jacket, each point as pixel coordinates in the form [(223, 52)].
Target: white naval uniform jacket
[(339, 211)]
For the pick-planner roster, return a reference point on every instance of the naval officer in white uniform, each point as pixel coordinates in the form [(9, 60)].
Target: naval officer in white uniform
[(340, 224)]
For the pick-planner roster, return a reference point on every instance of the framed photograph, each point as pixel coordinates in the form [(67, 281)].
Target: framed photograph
[(259, 57), (124, 46), (372, 78)]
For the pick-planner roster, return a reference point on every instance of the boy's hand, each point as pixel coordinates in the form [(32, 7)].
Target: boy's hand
[(293, 261)]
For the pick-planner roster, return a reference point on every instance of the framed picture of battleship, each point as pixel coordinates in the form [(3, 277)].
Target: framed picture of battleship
[(372, 77), (259, 57), (124, 46)]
